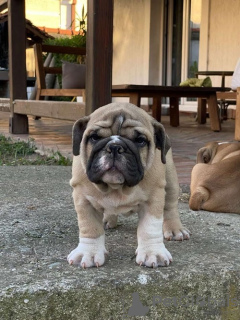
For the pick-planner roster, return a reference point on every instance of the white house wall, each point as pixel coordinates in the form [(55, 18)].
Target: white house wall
[(219, 37), (131, 41)]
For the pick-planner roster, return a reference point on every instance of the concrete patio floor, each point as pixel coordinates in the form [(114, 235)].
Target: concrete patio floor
[(39, 229)]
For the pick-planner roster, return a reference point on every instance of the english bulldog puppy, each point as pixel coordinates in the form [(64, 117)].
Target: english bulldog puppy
[(215, 179), (123, 164)]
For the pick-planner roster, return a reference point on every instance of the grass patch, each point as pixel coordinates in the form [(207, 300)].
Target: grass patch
[(13, 153)]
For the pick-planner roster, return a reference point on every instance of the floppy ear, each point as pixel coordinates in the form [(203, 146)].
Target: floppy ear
[(77, 134), (204, 155), (161, 140)]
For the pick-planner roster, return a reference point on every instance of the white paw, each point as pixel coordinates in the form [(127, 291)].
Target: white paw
[(89, 253), (174, 230), (178, 235), (154, 255)]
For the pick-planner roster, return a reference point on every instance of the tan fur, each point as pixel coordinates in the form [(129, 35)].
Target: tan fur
[(215, 185), (156, 195)]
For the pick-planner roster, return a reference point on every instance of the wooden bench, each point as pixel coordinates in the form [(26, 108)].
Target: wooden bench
[(42, 71)]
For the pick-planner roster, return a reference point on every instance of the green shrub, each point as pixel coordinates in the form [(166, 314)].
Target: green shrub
[(74, 41), (77, 40)]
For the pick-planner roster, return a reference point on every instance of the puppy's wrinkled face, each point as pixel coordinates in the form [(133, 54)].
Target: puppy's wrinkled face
[(117, 144), (117, 151), (117, 148)]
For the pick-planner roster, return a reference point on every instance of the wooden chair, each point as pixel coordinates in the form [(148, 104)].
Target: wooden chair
[(42, 71), (225, 98)]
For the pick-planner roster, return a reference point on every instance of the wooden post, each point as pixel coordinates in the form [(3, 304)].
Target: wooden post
[(174, 111), (18, 123), (237, 118), (99, 54), (157, 108), (214, 113), (201, 110)]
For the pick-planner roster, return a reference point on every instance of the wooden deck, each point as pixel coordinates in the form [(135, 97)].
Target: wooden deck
[(51, 134)]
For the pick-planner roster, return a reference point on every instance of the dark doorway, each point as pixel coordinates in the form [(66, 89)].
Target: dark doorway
[(177, 42)]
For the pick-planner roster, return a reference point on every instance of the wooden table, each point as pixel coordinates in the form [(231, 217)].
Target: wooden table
[(136, 92)]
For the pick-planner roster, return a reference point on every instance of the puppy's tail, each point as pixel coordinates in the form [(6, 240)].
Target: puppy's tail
[(199, 196)]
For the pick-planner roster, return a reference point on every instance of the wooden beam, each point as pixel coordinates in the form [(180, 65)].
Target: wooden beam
[(62, 92), (63, 49), (51, 109), (18, 124), (227, 95), (99, 54), (237, 118)]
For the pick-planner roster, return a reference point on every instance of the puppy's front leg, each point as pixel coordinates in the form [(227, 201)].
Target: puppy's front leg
[(91, 249), (172, 226), (151, 250)]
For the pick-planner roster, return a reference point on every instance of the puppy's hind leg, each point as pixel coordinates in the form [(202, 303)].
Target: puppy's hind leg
[(172, 226), (109, 220)]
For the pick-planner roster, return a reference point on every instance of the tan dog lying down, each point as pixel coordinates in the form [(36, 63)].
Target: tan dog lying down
[(215, 180)]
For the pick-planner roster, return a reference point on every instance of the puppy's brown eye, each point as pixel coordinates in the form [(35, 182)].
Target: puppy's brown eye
[(94, 137), (141, 141)]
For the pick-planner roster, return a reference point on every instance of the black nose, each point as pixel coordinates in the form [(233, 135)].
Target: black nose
[(115, 148)]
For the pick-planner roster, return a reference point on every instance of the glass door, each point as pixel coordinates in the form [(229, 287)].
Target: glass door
[(181, 21), (191, 38), (177, 42), (194, 37)]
